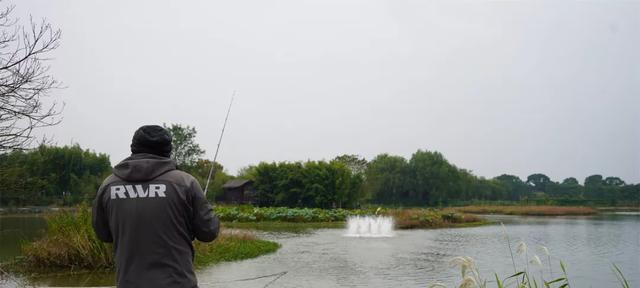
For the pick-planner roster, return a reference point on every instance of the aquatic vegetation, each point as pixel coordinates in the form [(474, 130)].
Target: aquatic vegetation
[(277, 226), (528, 210), (403, 218), (245, 213), (523, 278)]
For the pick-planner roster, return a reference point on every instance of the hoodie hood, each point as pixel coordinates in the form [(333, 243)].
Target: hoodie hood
[(143, 167)]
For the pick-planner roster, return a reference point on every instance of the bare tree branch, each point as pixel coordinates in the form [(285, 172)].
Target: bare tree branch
[(25, 80)]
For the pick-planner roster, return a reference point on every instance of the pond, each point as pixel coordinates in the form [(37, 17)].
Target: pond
[(415, 258)]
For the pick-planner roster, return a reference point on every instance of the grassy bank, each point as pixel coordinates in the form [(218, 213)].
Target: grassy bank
[(232, 245), (527, 210), (71, 245)]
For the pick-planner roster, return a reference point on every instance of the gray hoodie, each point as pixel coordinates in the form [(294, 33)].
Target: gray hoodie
[(152, 212)]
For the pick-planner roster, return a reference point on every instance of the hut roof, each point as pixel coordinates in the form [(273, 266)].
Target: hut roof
[(235, 183)]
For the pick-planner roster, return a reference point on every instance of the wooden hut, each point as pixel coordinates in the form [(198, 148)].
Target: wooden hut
[(238, 191)]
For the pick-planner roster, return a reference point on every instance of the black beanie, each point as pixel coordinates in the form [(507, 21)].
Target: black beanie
[(151, 139)]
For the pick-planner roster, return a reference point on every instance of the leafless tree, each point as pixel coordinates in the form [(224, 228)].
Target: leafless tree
[(25, 80)]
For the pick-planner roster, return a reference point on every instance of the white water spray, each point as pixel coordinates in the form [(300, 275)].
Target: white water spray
[(369, 226)]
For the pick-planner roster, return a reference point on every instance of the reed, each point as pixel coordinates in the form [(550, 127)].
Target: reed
[(69, 243)]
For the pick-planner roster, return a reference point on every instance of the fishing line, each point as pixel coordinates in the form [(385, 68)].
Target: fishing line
[(276, 275), (203, 284)]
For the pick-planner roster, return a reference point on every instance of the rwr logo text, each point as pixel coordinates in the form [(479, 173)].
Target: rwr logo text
[(138, 191)]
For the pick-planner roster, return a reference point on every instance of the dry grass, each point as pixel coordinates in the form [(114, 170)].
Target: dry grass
[(527, 210)]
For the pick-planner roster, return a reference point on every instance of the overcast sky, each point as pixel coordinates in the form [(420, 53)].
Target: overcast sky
[(497, 87)]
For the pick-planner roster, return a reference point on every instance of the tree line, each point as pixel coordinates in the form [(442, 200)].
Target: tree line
[(425, 179), (68, 175), (50, 175)]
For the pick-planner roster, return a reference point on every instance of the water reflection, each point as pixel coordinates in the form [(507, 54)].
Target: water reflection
[(14, 230)]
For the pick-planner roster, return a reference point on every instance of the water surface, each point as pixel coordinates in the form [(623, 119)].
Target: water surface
[(417, 258), (15, 230)]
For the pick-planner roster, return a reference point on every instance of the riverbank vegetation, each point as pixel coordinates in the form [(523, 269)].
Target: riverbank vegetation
[(527, 210), (71, 245)]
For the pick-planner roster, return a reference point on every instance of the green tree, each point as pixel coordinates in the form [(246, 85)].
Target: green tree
[(51, 175), (515, 187), (200, 170), (593, 186), (433, 178), (538, 182), (185, 149), (355, 163), (570, 188), (570, 181), (248, 172), (613, 182), (612, 190), (593, 181), (387, 179), (310, 184), (489, 189)]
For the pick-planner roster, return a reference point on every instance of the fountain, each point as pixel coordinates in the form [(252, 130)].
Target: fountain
[(369, 226)]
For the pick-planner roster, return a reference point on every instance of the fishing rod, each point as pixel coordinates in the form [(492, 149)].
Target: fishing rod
[(215, 156)]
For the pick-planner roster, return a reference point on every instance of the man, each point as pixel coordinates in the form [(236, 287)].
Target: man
[(152, 212)]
